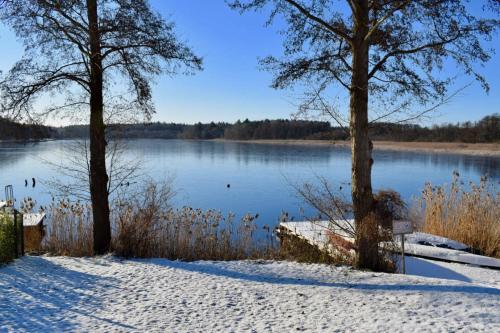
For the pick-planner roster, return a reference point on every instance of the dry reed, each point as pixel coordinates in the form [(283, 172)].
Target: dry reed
[(69, 232), (145, 226), (466, 213)]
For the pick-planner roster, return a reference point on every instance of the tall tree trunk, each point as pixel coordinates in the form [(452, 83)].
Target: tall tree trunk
[(361, 146), (98, 174)]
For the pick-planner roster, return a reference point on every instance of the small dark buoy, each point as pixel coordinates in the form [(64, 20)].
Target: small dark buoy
[(25, 183), (228, 185), (34, 181)]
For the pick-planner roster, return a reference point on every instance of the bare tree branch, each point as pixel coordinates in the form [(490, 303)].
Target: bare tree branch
[(380, 21), (320, 21)]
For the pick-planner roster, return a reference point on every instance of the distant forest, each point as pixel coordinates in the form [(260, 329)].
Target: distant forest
[(485, 130), (10, 130)]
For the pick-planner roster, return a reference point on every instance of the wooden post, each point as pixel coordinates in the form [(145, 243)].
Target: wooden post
[(15, 234), (403, 251), (22, 236), (401, 228)]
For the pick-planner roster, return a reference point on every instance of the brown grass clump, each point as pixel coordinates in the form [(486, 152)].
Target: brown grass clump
[(468, 214), (148, 227), (145, 226)]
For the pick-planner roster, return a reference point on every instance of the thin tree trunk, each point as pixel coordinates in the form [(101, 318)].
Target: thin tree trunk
[(361, 146), (98, 174)]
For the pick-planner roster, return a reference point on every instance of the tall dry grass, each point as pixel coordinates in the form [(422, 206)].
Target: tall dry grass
[(468, 213), (69, 232), (145, 226)]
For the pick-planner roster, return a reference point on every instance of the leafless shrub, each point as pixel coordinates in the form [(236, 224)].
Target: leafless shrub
[(75, 170), (342, 234), (468, 214), (388, 207), (331, 205)]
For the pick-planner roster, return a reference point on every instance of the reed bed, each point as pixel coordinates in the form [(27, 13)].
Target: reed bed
[(146, 226), (69, 232), (466, 212)]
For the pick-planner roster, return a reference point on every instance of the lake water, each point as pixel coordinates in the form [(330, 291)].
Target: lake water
[(260, 175)]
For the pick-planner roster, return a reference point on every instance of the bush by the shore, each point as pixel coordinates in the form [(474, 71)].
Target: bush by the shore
[(6, 239)]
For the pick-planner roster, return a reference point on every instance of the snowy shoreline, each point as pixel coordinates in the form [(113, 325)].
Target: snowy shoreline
[(107, 294)]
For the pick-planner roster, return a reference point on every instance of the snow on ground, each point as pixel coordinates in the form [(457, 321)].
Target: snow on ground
[(451, 255), (452, 271), (314, 232), (445, 249), (47, 294), (435, 246), (433, 240)]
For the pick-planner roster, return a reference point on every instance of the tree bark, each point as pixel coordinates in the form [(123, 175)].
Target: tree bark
[(98, 175), (361, 146)]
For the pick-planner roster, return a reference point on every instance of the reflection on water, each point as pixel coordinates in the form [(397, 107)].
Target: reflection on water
[(468, 164), (259, 174)]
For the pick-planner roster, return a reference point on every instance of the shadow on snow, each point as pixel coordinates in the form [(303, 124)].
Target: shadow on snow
[(38, 295), (217, 270)]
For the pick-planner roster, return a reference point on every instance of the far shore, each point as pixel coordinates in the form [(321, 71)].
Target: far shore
[(474, 149), (477, 149), (26, 140)]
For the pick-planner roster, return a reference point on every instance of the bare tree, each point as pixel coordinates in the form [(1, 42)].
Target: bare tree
[(85, 48), (392, 51), (74, 172)]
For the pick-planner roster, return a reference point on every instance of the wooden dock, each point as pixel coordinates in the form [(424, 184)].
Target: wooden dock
[(417, 244)]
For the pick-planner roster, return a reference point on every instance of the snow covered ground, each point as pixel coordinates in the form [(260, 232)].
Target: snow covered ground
[(47, 294)]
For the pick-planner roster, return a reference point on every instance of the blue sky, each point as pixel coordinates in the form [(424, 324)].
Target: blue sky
[(232, 86)]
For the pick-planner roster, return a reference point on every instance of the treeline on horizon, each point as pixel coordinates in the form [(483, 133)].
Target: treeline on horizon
[(485, 130), (10, 130)]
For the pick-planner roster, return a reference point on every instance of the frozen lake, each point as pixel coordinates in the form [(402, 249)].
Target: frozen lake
[(260, 175)]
